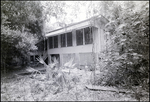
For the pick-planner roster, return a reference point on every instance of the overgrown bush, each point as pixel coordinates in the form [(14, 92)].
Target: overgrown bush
[(57, 77), (127, 55), (20, 30)]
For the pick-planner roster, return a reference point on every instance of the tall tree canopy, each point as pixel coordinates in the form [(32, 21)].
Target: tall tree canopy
[(22, 26), (127, 35)]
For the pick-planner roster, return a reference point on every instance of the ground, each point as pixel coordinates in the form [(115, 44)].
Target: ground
[(27, 88)]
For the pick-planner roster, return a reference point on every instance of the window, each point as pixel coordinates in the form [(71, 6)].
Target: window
[(79, 37), (69, 39), (36, 56), (55, 41), (32, 58), (63, 40), (88, 35), (84, 36), (50, 42)]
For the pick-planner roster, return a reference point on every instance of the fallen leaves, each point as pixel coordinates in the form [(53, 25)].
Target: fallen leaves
[(28, 89)]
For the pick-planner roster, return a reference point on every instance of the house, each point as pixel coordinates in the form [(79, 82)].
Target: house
[(81, 41)]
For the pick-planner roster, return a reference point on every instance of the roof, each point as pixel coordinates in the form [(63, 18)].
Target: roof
[(74, 26)]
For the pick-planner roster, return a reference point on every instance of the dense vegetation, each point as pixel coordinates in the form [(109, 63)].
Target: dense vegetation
[(22, 27), (127, 56), (127, 35), (124, 63)]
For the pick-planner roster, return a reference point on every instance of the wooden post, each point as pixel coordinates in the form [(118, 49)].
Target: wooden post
[(47, 51)]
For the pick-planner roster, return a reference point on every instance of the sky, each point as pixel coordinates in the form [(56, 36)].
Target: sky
[(81, 11), (81, 14)]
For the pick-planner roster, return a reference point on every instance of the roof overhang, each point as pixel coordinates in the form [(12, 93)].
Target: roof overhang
[(92, 22)]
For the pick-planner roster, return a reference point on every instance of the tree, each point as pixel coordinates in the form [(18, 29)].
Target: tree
[(21, 27), (67, 12), (52, 9), (127, 52)]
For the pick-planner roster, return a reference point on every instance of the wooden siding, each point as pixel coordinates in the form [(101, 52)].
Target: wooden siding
[(83, 54)]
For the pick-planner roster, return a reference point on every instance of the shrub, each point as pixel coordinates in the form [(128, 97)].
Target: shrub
[(127, 55)]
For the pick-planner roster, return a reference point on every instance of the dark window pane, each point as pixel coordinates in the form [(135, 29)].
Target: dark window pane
[(50, 42), (55, 41), (63, 40), (88, 35), (36, 56), (32, 58), (79, 37), (69, 39)]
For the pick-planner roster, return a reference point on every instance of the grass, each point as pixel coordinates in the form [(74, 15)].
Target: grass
[(57, 84), (24, 88)]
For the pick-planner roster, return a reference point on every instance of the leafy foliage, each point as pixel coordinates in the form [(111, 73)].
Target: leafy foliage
[(127, 56), (21, 27), (57, 75)]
